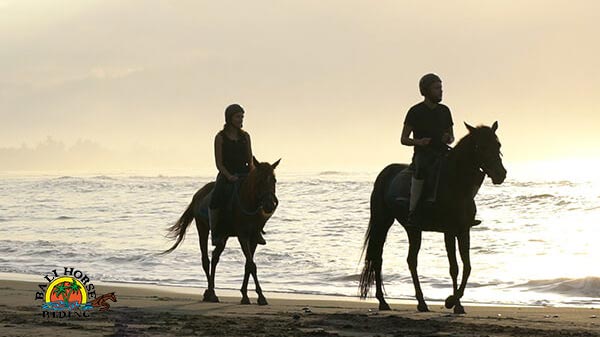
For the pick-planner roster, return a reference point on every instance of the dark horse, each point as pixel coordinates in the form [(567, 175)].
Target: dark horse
[(253, 203), (475, 155)]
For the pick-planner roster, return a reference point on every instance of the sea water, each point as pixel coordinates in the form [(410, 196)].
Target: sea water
[(537, 244)]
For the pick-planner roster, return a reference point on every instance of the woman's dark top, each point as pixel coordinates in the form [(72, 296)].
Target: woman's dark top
[(235, 154), (235, 160)]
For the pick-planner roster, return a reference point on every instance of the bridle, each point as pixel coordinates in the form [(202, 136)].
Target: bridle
[(484, 159), (261, 198)]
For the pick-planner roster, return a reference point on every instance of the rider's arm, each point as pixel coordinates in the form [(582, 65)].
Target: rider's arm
[(219, 156), (448, 137), (250, 156), (405, 138)]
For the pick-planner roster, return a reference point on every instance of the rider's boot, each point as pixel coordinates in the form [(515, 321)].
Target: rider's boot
[(214, 219), (416, 188)]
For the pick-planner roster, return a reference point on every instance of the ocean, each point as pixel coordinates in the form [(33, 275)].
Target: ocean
[(537, 244)]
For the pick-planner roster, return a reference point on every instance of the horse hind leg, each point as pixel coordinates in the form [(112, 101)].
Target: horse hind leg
[(381, 223), (383, 305), (414, 239), (378, 263), (202, 228), (216, 254)]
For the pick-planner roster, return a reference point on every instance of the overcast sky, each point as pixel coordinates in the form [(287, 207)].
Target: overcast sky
[(325, 84)]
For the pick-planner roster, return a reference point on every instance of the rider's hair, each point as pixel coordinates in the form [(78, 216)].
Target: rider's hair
[(426, 81)]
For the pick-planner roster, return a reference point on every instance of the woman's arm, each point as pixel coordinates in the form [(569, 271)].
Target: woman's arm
[(250, 156)]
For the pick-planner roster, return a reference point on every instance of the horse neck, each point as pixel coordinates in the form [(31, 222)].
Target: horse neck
[(463, 166), (248, 191)]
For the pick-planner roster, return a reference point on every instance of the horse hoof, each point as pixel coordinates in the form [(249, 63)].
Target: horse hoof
[(210, 296), (422, 307), (245, 300), (262, 301), (450, 302), (459, 310), (384, 307), (212, 299)]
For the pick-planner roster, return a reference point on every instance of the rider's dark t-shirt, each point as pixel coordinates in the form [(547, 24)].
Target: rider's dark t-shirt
[(429, 123)]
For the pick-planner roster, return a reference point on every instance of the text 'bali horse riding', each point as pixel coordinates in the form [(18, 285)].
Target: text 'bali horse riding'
[(476, 155), (253, 203)]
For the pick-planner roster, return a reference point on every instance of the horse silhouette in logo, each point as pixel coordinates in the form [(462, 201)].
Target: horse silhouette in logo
[(101, 303)]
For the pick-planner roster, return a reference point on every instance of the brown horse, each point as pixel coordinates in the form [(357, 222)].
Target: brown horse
[(101, 302), (476, 155), (253, 203)]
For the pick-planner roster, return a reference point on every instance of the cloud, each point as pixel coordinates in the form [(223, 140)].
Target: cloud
[(87, 155), (113, 72)]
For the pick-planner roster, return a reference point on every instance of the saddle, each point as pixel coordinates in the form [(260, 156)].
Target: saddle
[(225, 226), (428, 208)]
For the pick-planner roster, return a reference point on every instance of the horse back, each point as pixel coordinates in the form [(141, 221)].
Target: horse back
[(201, 199)]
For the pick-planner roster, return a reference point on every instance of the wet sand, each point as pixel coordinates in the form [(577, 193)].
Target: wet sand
[(165, 311)]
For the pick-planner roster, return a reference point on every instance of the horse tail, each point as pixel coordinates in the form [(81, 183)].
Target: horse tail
[(379, 223), (178, 229)]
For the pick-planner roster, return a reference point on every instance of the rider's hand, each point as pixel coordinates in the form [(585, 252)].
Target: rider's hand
[(232, 178), (447, 138), (422, 141)]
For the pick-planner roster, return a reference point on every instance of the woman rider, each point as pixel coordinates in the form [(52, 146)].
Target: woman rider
[(233, 156)]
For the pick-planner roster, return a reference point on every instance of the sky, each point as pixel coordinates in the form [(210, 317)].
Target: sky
[(142, 85)]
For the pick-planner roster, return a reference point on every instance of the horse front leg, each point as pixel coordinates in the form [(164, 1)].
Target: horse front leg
[(245, 245), (464, 245), (414, 240), (450, 241), (261, 298), (216, 254)]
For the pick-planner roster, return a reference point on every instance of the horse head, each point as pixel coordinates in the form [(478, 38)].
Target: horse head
[(487, 151), (264, 185), (111, 296)]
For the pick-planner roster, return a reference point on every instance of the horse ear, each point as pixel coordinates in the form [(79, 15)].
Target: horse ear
[(255, 161), (471, 129), (275, 164), (495, 126)]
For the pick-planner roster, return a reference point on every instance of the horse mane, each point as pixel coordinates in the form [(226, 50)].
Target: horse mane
[(467, 140)]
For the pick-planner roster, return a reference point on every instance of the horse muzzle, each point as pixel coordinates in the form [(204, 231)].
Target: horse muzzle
[(498, 176), (269, 205)]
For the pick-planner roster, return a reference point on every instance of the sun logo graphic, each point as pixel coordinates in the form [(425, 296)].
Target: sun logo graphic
[(70, 294)]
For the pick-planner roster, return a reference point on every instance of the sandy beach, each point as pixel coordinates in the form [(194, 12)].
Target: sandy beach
[(164, 311)]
